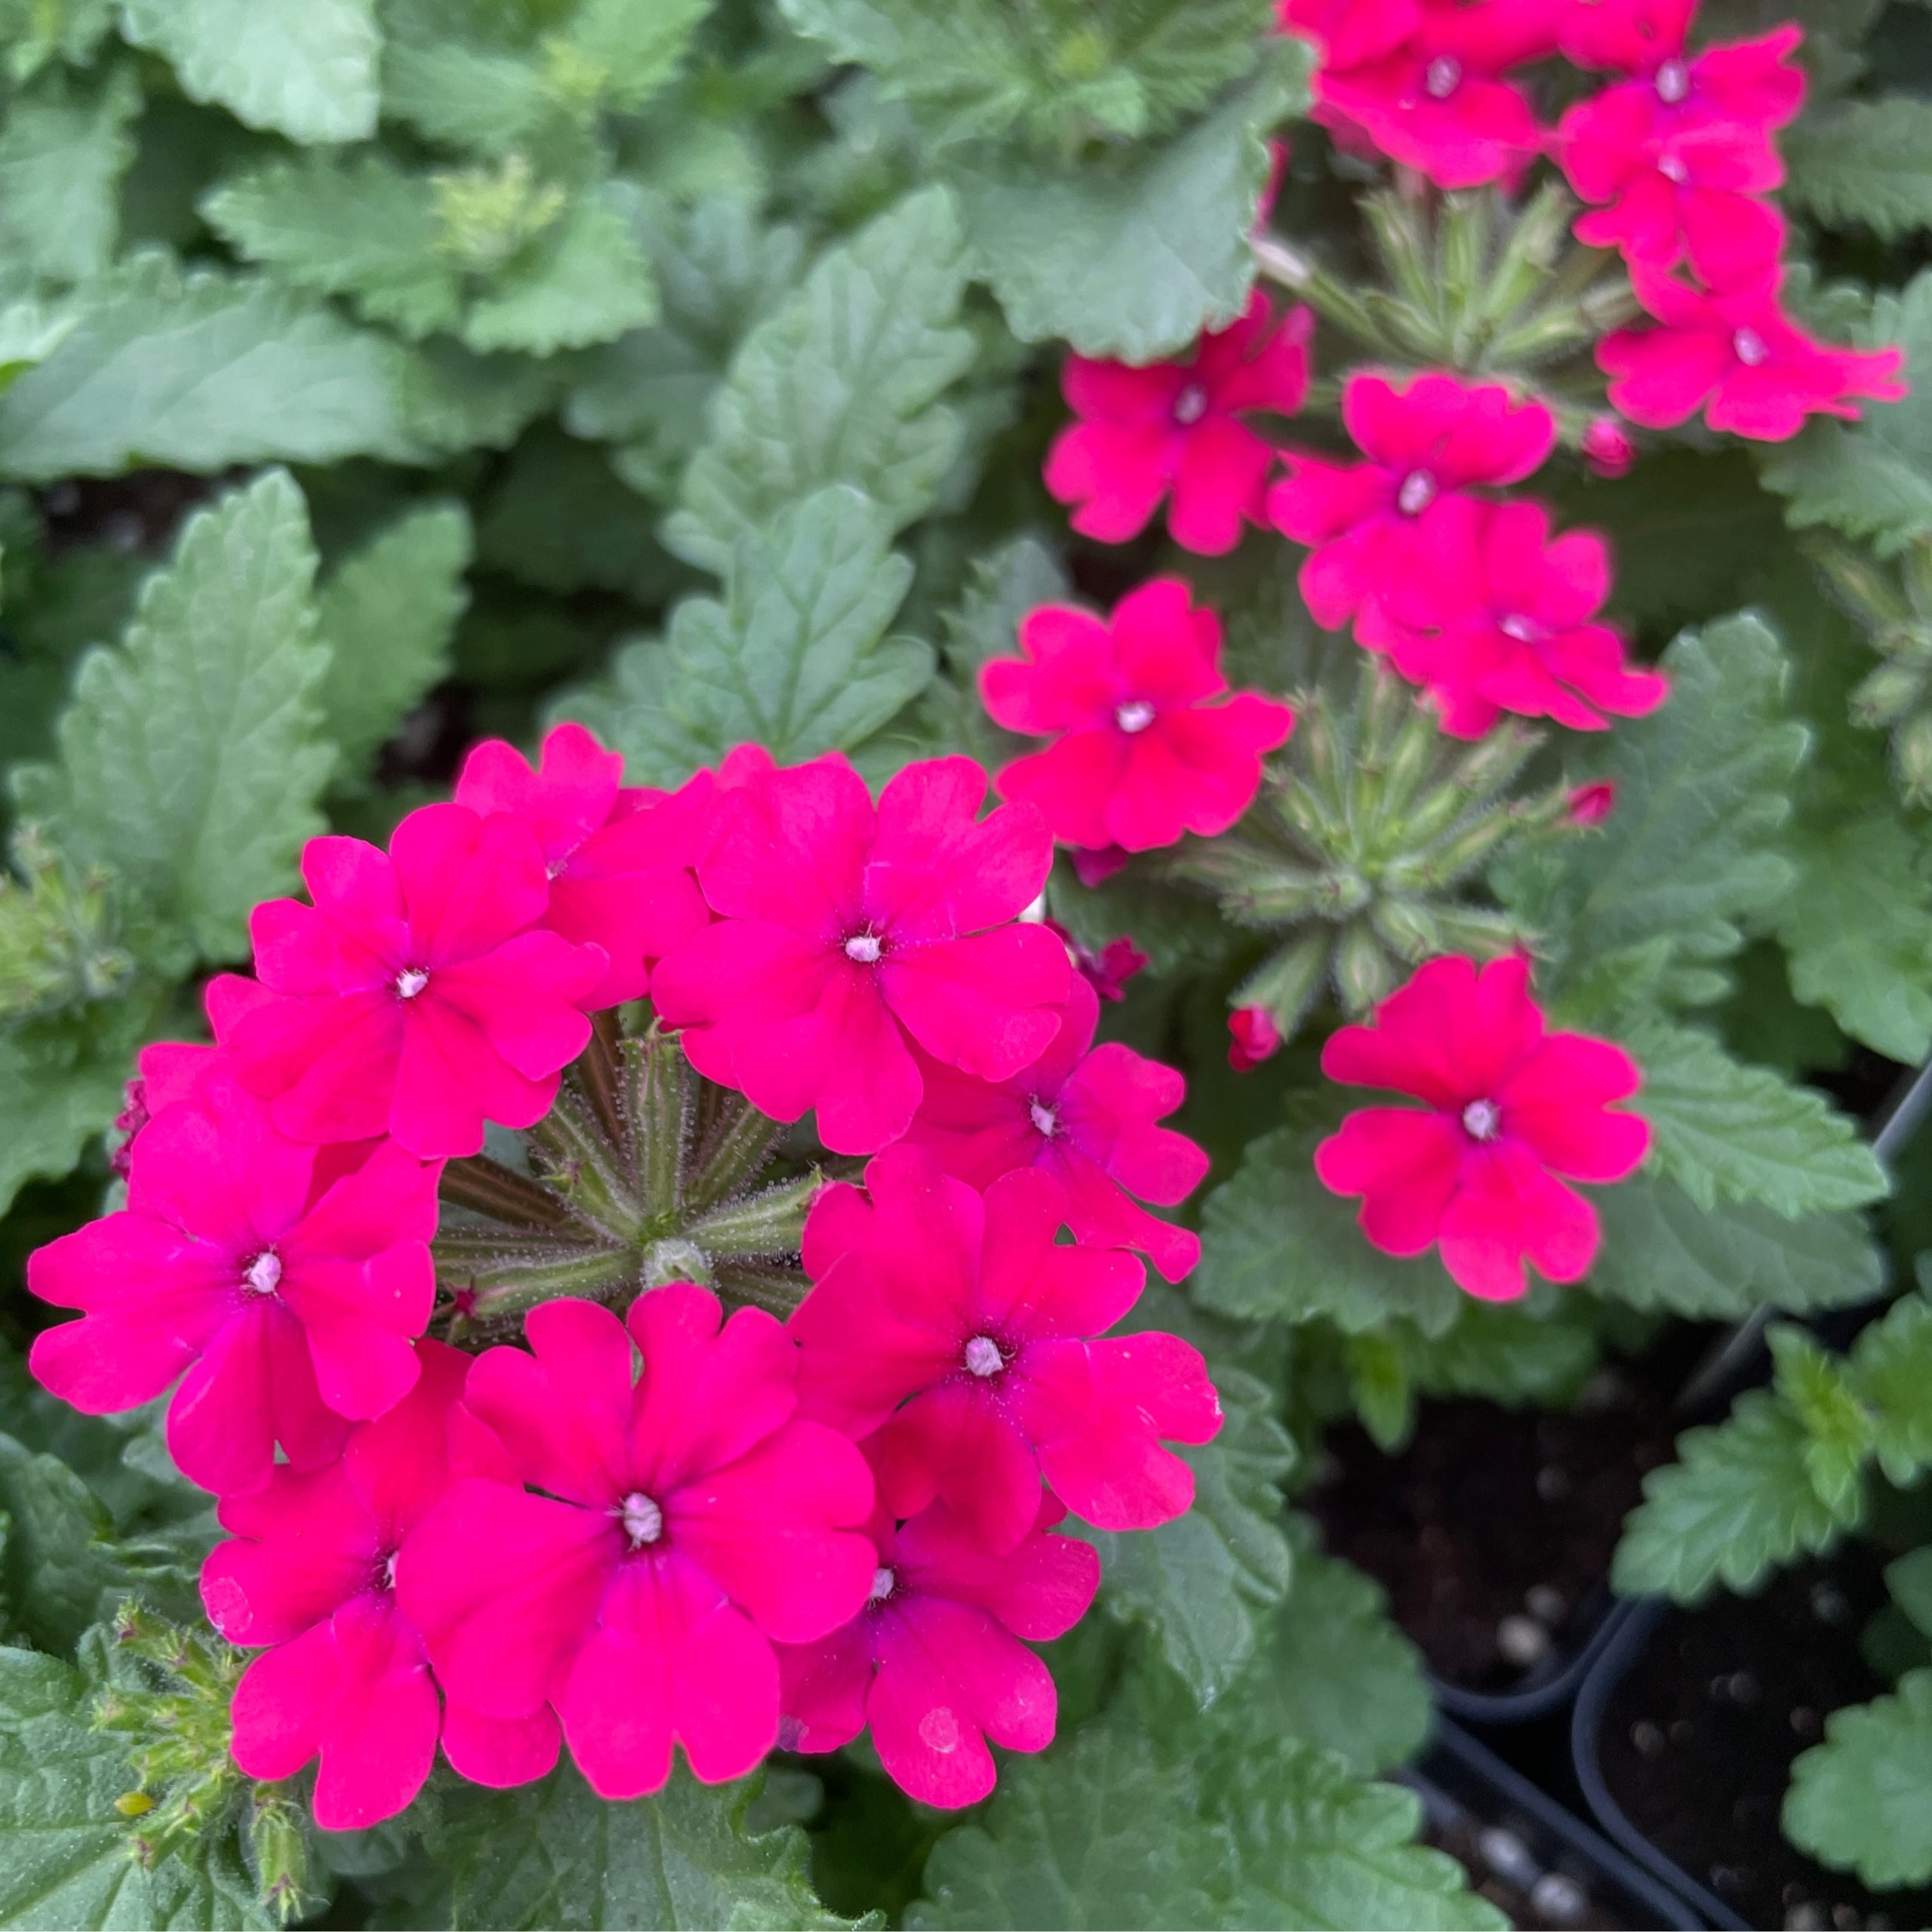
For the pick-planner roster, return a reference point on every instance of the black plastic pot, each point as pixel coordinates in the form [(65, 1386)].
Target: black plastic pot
[(1544, 1691)]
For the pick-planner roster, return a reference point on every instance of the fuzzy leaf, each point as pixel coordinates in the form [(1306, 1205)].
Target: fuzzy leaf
[(1863, 164), (628, 52), (303, 68), (61, 1086), (387, 614), (1861, 1801), (583, 281), (1891, 1369), (796, 659), (1132, 255), (1661, 1251), (190, 759), (839, 385), (1739, 1502), (1720, 1127), (63, 153)]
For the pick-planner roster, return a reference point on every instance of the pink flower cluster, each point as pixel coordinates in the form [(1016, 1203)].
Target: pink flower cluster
[(671, 1528)]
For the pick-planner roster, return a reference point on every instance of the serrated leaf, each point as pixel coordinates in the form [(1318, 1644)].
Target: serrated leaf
[(1719, 1128), (461, 96), (555, 1855), (63, 150), (387, 614), (1738, 1501), (840, 384), (795, 659), (1131, 255), (1861, 1801), (190, 760), (1842, 1431), (627, 52), (1891, 1368), (61, 1085), (583, 281), (304, 68), (1204, 1582), (1661, 1251), (1863, 164)]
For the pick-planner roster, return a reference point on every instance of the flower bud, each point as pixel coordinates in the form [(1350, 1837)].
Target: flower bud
[(1255, 1037), (1607, 449), (1591, 804)]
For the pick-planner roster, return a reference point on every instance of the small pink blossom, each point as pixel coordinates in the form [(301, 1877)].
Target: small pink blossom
[(848, 932), (686, 1521), (1492, 615), (1507, 1107), (968, 1311), (1139, 754), (1426, 443), (1107, 970), (1085, 1115), (1608, 448), (290, 1307), (1348, 33), (417, 998), (1095, 868), (937, 1662), (1253, 1038), (620, 862), (128, 1122), (1179, 427), (1591, 804), (1740, 358)]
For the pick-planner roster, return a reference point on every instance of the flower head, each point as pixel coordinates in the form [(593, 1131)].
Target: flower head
[(1139, 754), (1177, 427), (688, 1519), (1107, 970), (847, 933), (969, 1312), (621, 862), (285, 1307), (1507, 1107), (418, 996)]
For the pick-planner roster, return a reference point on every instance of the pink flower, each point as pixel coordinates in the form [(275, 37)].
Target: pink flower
[(1348, 33), (1608, 448), (688, 1520), (1095, 868), (1591, 804), (1425, 443), (310, 1573), (1253, 1038), (935, 1663), (1178, 426), (1106, 971), (1140, 756), (1506, 1108), (1086, 1115), (128, 1122), (619, 861), (1739, 357), (847, 933), (417, 999), (1494, 615), (969, 1313), (290, 1306), (1440, 102)]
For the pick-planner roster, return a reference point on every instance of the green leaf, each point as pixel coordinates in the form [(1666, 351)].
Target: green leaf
[(555, 1855), (1891, 1370), (61, 1086), (796, 659), (1861, 1801), (626, 53), (302, 68), (1739, 1502), (1863, 164), (1909, 1582), (1719, 1128), (582, 281), (387, 614), (1663, 1252), (190, 759), (1131, 255), (462, 96), (840, 385), (1203, 1582), (1842, 1432), (63, 153)]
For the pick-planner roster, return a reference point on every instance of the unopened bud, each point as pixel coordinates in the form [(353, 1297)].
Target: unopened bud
[(1591, 804), (1254, 1038), (1608, 447), (1887, 695), (1911, 751), (1364, 972)]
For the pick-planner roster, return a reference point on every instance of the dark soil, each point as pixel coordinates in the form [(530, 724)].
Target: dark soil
[(1697, 1741), (1493, 1530), (1506, 1871)]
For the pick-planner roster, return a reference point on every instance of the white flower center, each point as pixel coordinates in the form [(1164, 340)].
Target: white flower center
[(1672, 169), (411, 981), (1191, 405), (984, 1357), (862, 949), (1749, 348), (643, 1520), (388, 1571), (1673, 82), (1044, 1118), (1482, 1118), (1417, 493), (883, 1582), (1135, 716), (264, 1274), (1524, 630), (1443, 77)]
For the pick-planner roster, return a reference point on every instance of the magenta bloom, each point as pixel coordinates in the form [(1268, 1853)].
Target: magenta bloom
[(847, 933), (1608, 448), (1348, 33), (1591, 804), (1506, 1108), (1441, 102), (417, 1000), (619, 861), (968, 1312), (291, 1307), (1740, 358), (1253, 1037), (1493, 616), (935, 1662), (311, 1574), (688, 1520), (1139, 755), (1086, 1115), (1107, 970), (1426, 444), (1178, 427)]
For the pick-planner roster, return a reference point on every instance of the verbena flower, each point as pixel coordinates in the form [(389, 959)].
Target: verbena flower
[(1507, 1107), (1747, 84), (1107, 970)]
